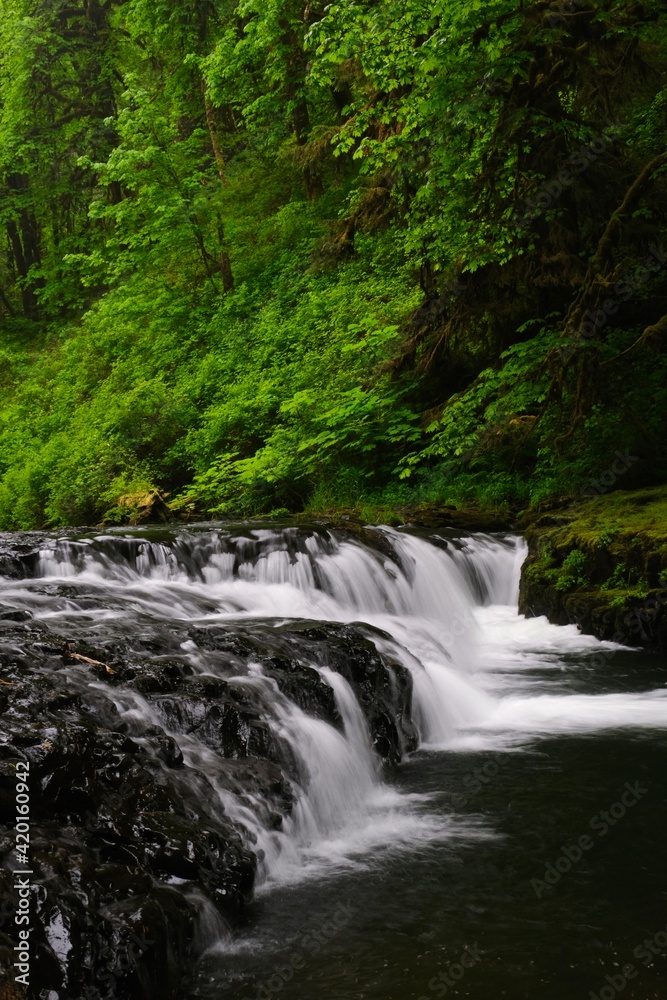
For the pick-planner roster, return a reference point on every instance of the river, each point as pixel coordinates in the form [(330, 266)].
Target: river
[(517, 850)]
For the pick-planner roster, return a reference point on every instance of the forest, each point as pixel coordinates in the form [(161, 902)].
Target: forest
[(280, 256), (333, 499)]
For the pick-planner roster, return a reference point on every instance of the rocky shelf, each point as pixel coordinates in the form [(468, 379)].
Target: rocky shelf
[(135, 859)]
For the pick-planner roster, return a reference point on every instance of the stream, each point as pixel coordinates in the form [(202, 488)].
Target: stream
[(424, 793)]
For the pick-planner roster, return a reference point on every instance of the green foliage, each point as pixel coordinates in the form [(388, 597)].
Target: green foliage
[(606, 537), (267, 258), (621, 577), (627, 578), (572, 573)]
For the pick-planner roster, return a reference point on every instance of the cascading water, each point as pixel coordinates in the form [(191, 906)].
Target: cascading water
[(423, 596), (309, 657), (418, 599)]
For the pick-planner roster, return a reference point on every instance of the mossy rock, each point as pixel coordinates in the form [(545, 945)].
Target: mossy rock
[(602, 563)]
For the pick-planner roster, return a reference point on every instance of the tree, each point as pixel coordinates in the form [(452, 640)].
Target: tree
[(57, 98)]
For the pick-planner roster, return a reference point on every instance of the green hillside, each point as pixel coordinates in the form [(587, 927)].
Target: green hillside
[(272, 256)]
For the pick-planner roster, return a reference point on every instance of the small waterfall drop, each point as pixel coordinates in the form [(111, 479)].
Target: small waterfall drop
[(416, 602)]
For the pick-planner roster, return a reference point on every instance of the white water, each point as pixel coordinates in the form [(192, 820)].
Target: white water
[(447, 613)]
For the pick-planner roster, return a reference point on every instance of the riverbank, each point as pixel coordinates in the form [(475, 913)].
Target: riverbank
[(600, 562)]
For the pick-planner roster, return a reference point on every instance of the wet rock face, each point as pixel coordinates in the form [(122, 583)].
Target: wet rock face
[(383, 688), (139, 860), (118, 828), (292, 654)]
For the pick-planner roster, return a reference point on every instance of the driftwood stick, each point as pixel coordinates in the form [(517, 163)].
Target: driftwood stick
[(87, 659)]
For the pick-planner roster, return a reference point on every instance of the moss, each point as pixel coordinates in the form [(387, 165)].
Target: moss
[(598, 560), (471, 517), (613, 518)]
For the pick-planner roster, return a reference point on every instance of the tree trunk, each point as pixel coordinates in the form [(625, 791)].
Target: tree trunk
[(25, 245), (311, 177), (225, 263)]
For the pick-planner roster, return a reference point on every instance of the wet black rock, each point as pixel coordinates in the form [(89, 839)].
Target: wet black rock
[(382, 686), (113, 826), (138, 860)]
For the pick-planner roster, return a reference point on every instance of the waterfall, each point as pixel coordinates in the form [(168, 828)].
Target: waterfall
[(240, 696), (414, 599)]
